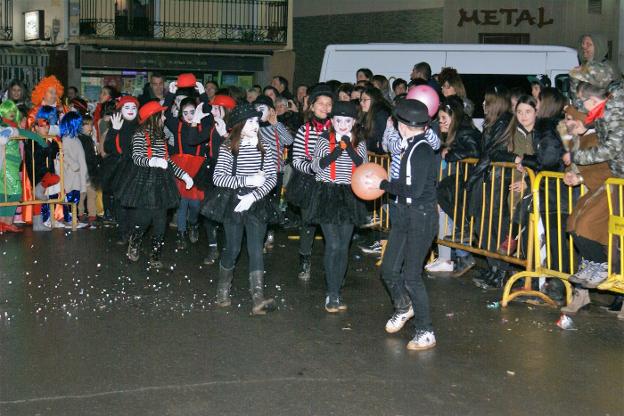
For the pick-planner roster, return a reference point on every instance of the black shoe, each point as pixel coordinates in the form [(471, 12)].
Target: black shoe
[(213, 255), (181, 241), (616, 305), (463, 264), (305, 267), (154, 259), (485, 276), (194, 233)]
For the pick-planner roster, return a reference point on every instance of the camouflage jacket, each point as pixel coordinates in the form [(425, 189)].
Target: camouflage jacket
[(610, 131)]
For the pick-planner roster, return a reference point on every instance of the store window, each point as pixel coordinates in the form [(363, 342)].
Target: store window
[(505, 38)]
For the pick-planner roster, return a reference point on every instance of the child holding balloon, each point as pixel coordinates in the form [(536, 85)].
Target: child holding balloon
[(334, 206), (414, 225)]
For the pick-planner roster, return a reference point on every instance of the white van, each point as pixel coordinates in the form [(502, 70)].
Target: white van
[(480, 65)]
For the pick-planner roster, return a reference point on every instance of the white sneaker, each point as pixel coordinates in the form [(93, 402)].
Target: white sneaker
[(398, 320), (423, 340), (374, 248), (79, 225), (440, 265), (582, 273), (370, 222), (598, 273)]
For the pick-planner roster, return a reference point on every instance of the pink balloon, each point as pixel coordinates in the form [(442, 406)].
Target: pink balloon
[(426, 95)]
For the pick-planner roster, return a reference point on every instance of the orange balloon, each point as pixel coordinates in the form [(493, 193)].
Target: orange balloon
[(357, 181)]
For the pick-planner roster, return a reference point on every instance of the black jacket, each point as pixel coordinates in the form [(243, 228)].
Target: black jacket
[(547, 147), (91, 157), (374, 137), (493, 149), (125, 139), (467, 143)]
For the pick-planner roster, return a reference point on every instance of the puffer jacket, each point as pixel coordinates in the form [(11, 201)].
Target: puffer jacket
[(467, 143), (547, 147)]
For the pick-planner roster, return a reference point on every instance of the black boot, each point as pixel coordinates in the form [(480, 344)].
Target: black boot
[(154, 260), (213, 255), (256, 286), (497, 280), (486, 276), (223, 287), (194, 233), (305, 266), (134, 246), (181, 240)]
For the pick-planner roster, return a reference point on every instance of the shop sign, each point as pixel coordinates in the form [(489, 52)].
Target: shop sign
[(505, 17)]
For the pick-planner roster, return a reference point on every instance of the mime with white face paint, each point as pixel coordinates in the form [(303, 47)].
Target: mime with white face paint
[(244, 176), (333, 205), (275, 136), (118, 159)]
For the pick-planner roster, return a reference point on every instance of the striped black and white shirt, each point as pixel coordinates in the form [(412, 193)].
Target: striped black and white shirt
[(302, 154), (344, 164), (248, 162), (159, 149), (276, 138)]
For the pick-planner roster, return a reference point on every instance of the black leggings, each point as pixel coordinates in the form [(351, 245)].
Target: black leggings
[(254, 231), (157, 218), (336, 258)]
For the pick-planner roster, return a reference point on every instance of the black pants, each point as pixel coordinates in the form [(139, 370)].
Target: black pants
[(124, 219), (144, 217), (336, 258), (590, 250), (306, 237), (413, 231), (254, 231), (211, 231)]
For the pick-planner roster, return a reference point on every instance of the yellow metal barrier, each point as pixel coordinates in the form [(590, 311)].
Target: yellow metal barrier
[(60, 199), (484, 231), (554, 260), (615, 197), (381, 212)]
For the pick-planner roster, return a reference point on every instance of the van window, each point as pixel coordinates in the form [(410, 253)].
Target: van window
[(476, 84)]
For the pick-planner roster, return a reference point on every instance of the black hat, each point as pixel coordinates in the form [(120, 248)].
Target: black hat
[(241, 113), (411, 112), (264, 100), (540, 79), (344, 108), (320, 89)]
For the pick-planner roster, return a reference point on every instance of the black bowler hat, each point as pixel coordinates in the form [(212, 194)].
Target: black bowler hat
[(344, 109), (320, 89), (411, 112), (264, 100), (241, 113)]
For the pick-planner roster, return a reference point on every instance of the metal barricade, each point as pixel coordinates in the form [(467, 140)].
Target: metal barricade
[(28, 197), (381, 212), (554, 250), (482, 227), (615, 256)]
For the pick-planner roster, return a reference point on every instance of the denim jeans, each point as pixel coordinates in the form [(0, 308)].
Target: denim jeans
[(413, 231), (188, 213), (336, 257), (211, 231), (254, 231)]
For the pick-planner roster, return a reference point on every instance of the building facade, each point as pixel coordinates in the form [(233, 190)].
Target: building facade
[(91, 43), (543, 22)]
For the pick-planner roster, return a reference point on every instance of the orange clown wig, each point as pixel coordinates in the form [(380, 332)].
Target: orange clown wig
[(39, 91)]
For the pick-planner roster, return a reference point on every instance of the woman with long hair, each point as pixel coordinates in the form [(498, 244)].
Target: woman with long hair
[(150, 187), (244, 175), (461, 141), (301, 185), (452, 84), (375, 113), (334, 206)]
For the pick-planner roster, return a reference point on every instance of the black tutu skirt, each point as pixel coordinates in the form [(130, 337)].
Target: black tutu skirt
[(151, 188), (300, 189), (107, 173), (219, 206), (335, 204)]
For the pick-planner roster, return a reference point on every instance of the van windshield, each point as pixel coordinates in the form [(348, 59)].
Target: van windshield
[(477, 84)]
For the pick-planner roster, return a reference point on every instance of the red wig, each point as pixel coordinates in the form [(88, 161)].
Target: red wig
[(39, 91)]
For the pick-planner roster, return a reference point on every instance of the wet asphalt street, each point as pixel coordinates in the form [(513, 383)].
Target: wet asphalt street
[(82, 332)]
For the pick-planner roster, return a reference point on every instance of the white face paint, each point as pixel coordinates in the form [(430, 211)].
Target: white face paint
[(175, 108), (264, 109), (342, 125), (249, 133), (129, 111), (187, 113), (217, 111)]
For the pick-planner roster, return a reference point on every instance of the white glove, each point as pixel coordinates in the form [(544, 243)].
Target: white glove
[(54, 130), (173, 87), (220, 126), (188, 181), (245, 202), (199, 114), (117, 121), (255, 181), (158, 162), (200, 88)]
